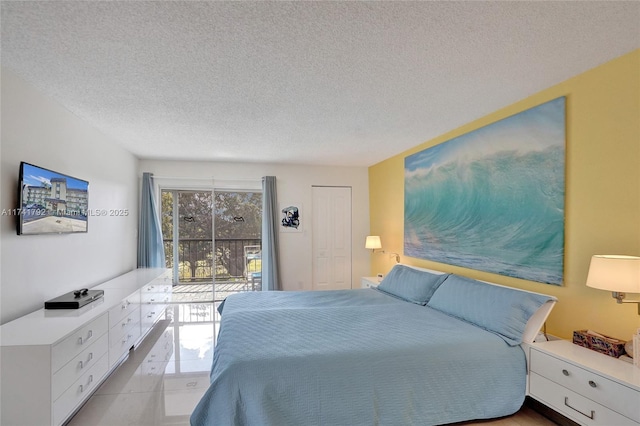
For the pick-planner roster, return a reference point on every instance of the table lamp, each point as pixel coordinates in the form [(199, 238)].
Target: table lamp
[(616, 273)]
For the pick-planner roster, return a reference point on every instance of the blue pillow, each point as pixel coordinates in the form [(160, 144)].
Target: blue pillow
[(502, 310), (411, 284)]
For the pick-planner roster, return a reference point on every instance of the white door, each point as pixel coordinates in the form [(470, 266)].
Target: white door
[(331, 238)]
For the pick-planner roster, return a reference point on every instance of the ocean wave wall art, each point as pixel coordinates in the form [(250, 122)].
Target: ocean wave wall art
[(493, 199)]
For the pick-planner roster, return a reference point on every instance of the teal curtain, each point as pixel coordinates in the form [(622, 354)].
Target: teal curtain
[(270, 220), (150, 245)]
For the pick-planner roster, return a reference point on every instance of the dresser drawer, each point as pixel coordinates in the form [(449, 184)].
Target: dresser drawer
[(602, 390), (149, 314), (155, 298), (72, 345), (573, 405), (158, 286), (79, 391), (75, 368), (122, 346), (122, 309), (124, 326)]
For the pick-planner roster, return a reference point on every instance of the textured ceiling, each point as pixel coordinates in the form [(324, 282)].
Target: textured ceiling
[(339, 83)]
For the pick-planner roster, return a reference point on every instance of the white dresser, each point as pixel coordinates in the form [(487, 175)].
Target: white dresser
[(588, 387), (52, 360)]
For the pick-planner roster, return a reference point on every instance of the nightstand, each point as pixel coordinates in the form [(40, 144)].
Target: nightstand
[(370, 282), (588, 387)]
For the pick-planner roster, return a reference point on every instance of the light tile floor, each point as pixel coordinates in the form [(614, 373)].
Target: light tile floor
[(164, 378)]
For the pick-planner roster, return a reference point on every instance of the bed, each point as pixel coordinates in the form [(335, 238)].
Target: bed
[(425, 348)]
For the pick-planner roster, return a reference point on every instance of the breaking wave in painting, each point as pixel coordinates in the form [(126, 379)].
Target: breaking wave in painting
[(496, 207)]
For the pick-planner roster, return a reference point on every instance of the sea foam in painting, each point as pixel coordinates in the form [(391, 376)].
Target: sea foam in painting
[(493, 199)]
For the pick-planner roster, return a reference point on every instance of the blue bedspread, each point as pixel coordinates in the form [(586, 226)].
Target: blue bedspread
[(354, 357), (306, 299)]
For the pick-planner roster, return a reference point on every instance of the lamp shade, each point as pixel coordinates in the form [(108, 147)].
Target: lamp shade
[(615, 273), (373, 242)]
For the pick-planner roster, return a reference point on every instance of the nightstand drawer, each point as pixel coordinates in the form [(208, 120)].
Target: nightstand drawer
[(573, 405), (602, 390), (369, 282)]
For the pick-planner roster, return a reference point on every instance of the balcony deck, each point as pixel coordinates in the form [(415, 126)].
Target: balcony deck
[(203, 292), (236, 261)]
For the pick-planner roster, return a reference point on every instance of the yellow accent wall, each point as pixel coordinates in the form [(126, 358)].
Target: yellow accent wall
[(602, 204)]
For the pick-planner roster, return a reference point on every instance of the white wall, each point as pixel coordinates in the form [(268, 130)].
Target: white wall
[(294, 186), (35, 268)]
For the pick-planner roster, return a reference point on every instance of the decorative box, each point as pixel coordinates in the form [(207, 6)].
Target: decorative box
[(599, 342)]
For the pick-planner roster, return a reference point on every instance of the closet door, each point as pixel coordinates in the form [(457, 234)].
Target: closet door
[(331, 238)]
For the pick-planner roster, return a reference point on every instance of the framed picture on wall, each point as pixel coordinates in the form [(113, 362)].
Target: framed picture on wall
[(291, 217), (493, 199)]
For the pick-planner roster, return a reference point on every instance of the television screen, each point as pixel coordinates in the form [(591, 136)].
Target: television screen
[(50, 202)]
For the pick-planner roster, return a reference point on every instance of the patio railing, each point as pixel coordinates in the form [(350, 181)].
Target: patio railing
[(197, 261)]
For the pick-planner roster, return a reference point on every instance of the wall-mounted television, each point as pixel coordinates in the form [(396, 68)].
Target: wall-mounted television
[(51, 202)]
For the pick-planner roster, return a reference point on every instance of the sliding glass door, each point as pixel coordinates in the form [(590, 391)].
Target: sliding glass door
[(212, 242), (187, 226), (238, 233)]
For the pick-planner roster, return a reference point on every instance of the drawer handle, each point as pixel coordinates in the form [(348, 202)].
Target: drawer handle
[(592, 384), (565, 372), (88, 383), (566, 402), (82, 341), (89, 358)]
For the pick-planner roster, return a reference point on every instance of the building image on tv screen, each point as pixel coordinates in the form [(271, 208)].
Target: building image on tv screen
[(52, 202)]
